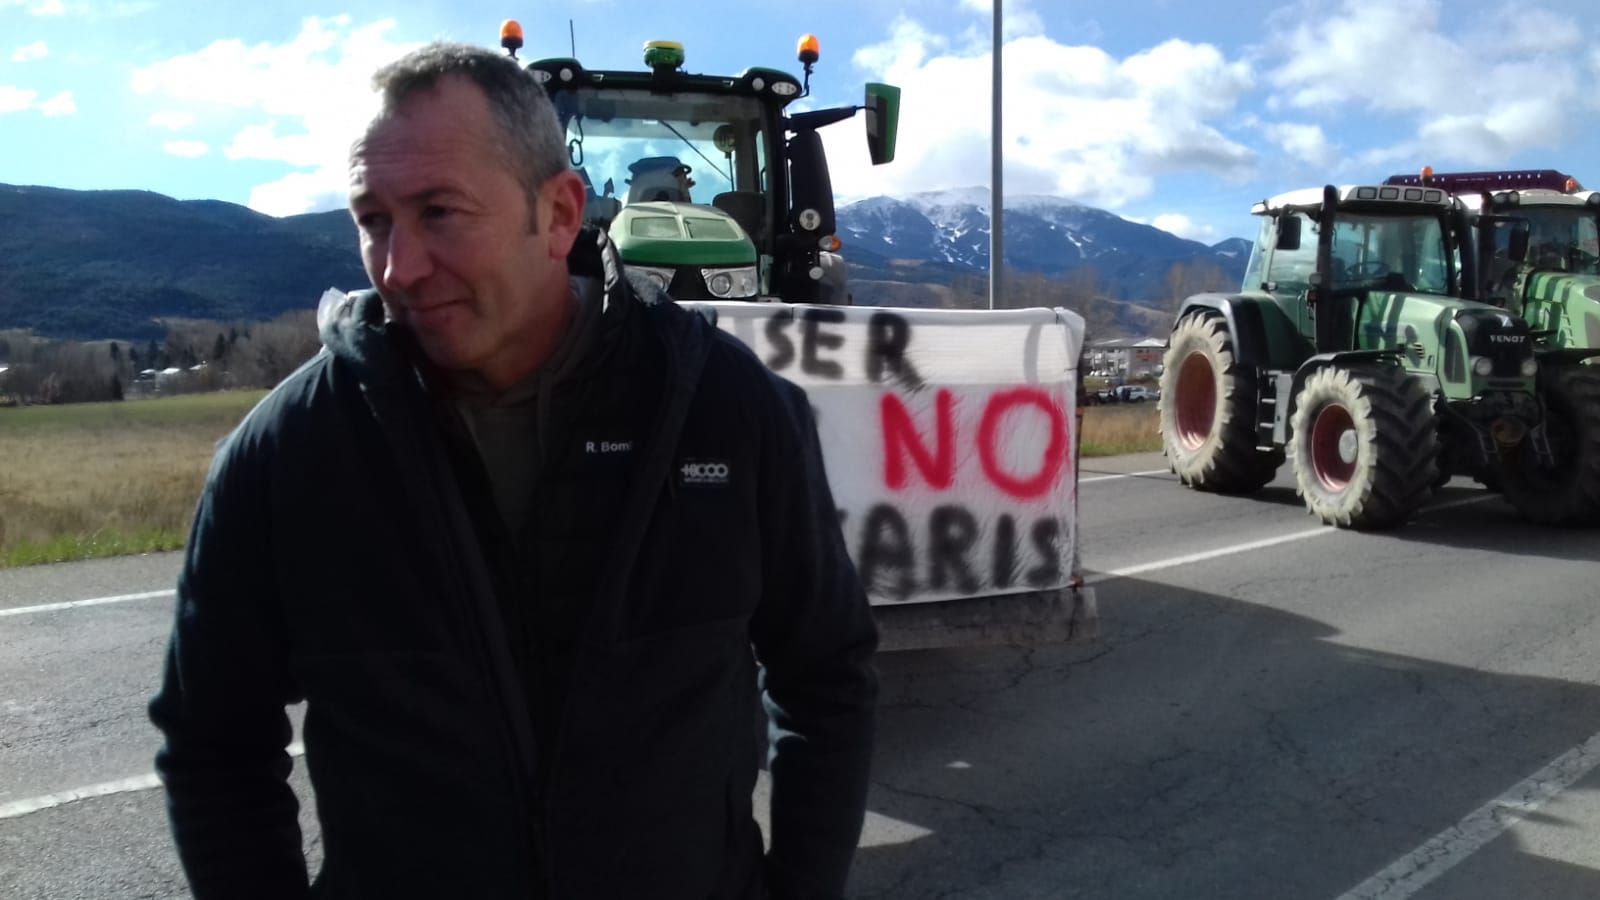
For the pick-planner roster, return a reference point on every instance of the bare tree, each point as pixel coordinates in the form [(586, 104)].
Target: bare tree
[(1184, 280), (269, 351)]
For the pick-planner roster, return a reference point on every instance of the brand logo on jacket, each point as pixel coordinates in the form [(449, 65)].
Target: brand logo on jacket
[(704, 472)]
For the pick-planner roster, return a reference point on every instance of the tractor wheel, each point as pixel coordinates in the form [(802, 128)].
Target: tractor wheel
[(1364, 444), (1569, 492), (1208, 410)]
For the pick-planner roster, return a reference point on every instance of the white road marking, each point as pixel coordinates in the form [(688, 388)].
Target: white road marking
[(1159, 564), (1103, 576), (21, 808), (1321, 530), (1124, 475), (94, 601), (1414, 871)]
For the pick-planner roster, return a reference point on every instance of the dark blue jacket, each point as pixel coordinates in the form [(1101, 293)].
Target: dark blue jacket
[(336, 558)]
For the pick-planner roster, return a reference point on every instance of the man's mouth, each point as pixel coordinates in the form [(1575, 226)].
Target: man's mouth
[(431, 315)]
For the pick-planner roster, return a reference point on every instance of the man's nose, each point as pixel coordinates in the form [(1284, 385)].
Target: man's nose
[(408, 260)]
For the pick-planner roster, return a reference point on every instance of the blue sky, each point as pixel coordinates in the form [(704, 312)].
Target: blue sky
[(1175, 113)]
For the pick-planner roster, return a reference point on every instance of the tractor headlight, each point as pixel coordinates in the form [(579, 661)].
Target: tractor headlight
[(1482, 366), (731, 284), (1530, 367), (661, 277)]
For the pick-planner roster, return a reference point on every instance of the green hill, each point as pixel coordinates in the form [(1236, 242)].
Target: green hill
[(111, 264)]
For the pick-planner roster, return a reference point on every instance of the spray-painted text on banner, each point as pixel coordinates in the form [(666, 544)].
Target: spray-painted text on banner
[(948, 437)]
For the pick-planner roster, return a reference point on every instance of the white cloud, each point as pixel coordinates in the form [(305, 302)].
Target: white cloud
[(300, 192), (1079, 122), (262, 141), (48, 8), (188, 149), (1305, 143), (61, 104), (15, 99), (30, 52), (304, 101), (1475, 96), (171, 120), (1182, 226), (1017, 19)]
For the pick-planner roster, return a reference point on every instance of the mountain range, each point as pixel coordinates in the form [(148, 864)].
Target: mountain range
[(948, 231), (114, 264)]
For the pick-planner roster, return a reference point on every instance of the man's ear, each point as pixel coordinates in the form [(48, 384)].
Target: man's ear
[(561, 202)]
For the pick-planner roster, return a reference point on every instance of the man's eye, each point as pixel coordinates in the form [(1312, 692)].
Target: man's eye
[(434, 213), (372, 221)]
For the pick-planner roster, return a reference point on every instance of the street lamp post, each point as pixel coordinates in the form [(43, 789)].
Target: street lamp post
[(996, 212)]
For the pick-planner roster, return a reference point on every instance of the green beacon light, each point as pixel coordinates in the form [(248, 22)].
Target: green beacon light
[(663, 56)]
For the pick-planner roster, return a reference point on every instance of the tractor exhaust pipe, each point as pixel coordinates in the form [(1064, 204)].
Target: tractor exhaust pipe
[(1320, 296)]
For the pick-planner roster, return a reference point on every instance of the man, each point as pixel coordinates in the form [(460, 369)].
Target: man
[(513, 539)]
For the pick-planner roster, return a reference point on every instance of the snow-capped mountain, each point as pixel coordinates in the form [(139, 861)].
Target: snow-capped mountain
[(947, 232)]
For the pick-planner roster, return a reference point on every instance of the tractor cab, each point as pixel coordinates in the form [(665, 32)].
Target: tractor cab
[(708, 183), (1537, 239), (1346, 265)]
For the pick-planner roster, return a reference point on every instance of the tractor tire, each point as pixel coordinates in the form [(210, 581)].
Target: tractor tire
[(1568, 493), (1207, 411), (1365, 445)]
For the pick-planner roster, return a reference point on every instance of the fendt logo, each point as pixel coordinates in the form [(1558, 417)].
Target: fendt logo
[(1507, 338), (704, 471)]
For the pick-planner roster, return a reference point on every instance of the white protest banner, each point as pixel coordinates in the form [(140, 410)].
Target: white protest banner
[(949, 438)]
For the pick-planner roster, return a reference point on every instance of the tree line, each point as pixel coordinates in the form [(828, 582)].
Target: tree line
[(194, 356), (210, 356), (1081, 291)]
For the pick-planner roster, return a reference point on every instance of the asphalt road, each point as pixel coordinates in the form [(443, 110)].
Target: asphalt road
[(1274, 710)]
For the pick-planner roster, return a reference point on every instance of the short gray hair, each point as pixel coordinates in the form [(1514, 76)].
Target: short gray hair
[(531, 136)]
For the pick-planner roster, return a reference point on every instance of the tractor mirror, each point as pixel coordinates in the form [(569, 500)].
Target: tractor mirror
[(810, 188), (1517, 244), (1509, 233), (1289, 232), (883, 121)]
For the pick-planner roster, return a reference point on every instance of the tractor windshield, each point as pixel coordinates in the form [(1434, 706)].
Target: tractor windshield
[(635, 146), (1560, 238), (1390, 252)]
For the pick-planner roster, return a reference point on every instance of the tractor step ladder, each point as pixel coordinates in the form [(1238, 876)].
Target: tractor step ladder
[(1272, 410)]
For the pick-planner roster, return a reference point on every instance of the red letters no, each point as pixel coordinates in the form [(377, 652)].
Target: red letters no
[(990, 442), (901, 438)]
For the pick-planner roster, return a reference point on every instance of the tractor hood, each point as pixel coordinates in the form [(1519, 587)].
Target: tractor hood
[(1458, 333), (680, 234), (1565, 303)]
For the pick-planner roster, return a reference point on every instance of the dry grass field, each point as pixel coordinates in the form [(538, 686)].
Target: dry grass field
[(105, 479), (1130, 428)]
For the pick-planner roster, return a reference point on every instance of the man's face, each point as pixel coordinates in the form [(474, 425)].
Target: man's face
[(448, 239)]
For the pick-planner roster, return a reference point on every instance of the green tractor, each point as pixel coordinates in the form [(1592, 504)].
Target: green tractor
[(1555, 288), (1350, 351), (706, 183)]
